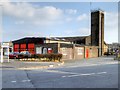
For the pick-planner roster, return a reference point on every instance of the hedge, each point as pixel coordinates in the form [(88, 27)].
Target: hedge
[(48, 57)]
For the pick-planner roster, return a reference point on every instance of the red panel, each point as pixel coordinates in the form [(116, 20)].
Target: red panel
[(31, 45), (31, 51), (87, 53), (16, 45), (16, 50), (23, 46), (22, 49)]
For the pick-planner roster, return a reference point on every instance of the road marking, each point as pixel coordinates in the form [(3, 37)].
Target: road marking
[(75, 74), (21, 81), (55, 71), (101, 72), (25, 81), (64, 76), (13, 81), (87, 74)]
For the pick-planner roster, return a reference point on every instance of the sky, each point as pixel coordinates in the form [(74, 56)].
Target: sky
[(53, 19)]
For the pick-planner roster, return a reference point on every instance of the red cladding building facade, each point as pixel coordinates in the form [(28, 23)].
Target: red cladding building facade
[(27, 44)]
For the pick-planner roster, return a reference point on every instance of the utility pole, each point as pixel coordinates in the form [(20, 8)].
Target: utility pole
[(1, 8)]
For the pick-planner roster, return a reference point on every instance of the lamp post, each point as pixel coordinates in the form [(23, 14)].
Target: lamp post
[(1, 32), (98, 52), (91, 53), (1, 53)]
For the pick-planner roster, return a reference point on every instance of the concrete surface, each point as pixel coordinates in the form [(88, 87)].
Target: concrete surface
[(28, 64)]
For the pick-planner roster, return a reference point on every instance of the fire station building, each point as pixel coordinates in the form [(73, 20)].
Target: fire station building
[(71, 47)]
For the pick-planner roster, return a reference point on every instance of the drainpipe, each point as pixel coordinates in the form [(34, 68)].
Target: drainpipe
[(59, 48), (73, 51)]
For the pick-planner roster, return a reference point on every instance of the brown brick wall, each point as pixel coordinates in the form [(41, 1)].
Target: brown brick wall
[(67, 53), (79, 53), (70, 51), (92, 51)]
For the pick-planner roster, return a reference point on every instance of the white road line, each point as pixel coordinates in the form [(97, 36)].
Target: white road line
[(21, 81), (80, 75), (101, 72), (73, 75), (55, 71), (13, 81), (64, 76), (87, 74), (25, 81)]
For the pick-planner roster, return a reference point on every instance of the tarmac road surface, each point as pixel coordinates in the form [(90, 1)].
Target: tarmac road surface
[(95, 73)]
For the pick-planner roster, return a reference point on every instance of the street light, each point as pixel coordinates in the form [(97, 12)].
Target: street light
[(1, 31)]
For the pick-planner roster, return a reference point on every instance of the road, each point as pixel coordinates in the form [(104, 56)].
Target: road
[(79, 74)]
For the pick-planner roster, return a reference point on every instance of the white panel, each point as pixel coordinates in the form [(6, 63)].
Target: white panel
[(80, 51), (38, 50)]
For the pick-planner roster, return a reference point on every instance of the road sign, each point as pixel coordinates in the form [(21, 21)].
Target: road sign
[(5, 44)]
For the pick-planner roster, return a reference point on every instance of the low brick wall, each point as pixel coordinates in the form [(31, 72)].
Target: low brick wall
[(79, 52), (91, 51)]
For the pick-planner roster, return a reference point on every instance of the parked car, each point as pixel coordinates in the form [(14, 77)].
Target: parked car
[(13, 55), (24, 54)]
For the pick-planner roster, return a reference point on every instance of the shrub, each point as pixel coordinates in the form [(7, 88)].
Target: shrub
[(48, 57), (39, 56), (59, 57)]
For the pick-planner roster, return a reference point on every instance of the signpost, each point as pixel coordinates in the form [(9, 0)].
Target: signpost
[(4, 45)]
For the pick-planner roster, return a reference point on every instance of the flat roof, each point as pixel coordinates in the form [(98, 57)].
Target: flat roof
[(29, 40)]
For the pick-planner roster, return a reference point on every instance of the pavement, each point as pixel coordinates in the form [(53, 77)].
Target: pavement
[(91, 61), (29, 65)]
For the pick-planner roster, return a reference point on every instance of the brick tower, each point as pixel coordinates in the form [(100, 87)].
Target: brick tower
[(97, 30)]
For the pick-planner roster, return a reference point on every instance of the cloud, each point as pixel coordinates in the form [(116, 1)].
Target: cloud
[(19, 22), (29, 13), (111, 27), (82, 17), (83, 31), (17, 34), (69, 19), (71, 11), (111, 20)]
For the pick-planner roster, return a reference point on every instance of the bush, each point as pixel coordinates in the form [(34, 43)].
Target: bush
[(48, 57)]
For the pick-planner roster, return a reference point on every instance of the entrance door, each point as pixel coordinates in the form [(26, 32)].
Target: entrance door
[(38, 50), (87, 53)]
